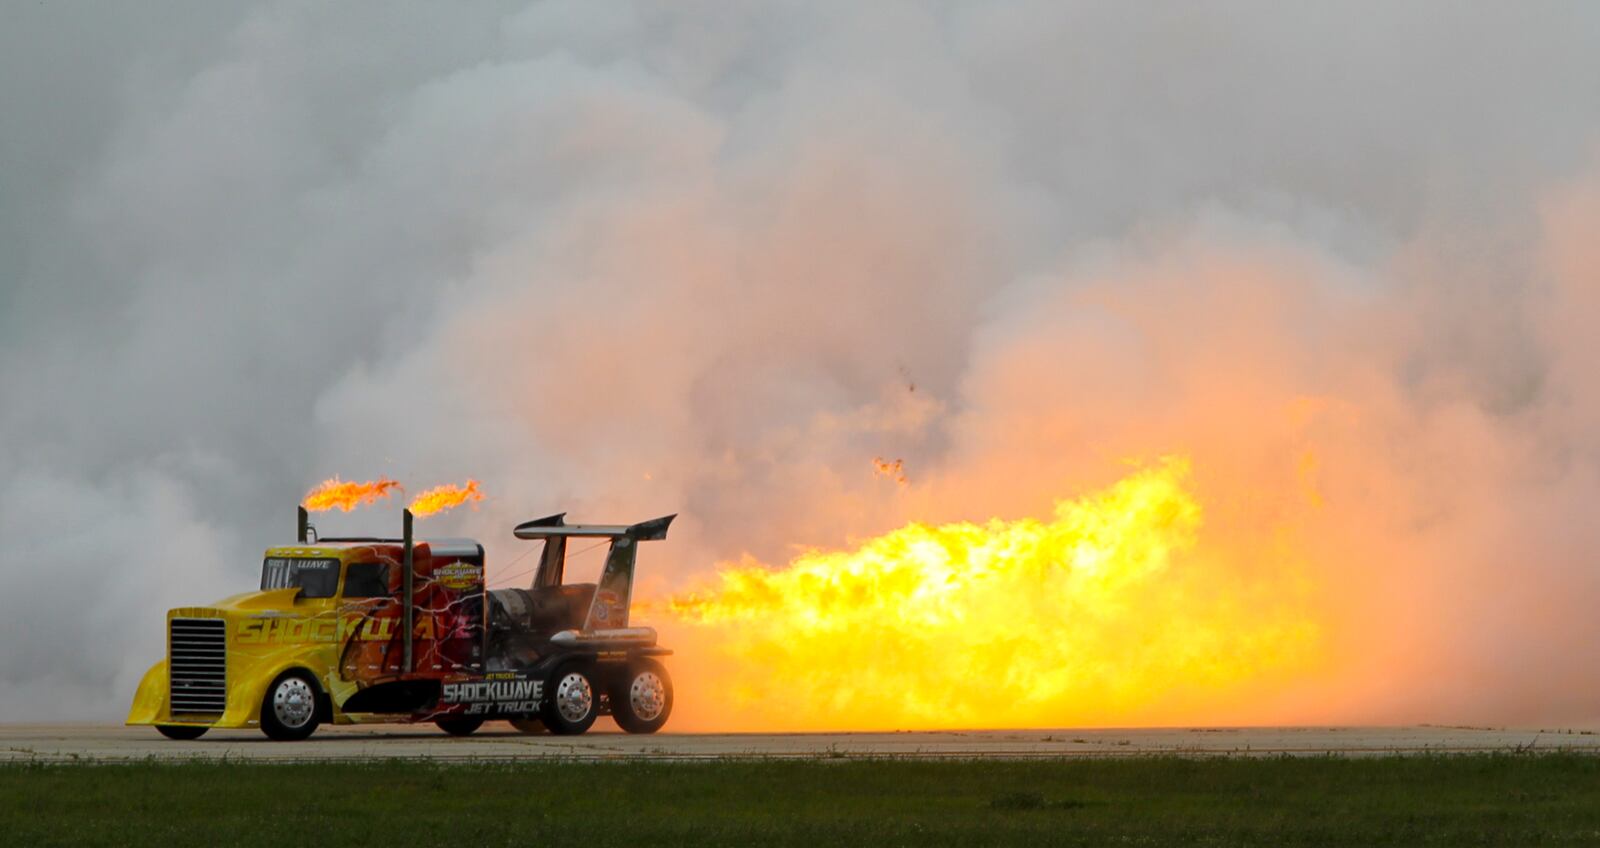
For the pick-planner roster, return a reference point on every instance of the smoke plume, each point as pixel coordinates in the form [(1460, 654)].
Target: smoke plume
[(632, 259)]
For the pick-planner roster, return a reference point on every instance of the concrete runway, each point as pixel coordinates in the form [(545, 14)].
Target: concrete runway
[(496, 741)]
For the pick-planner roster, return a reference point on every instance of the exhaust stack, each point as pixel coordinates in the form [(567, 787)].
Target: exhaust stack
[(409, 577)]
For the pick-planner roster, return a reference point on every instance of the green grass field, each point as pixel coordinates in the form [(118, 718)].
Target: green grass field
[(1458, 800)]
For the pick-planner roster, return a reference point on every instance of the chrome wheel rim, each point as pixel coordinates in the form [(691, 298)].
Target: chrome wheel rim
[(574, 698), (647, 695), (293, 703)]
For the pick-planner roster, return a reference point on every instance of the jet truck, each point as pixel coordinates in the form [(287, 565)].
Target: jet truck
[(357, 630)]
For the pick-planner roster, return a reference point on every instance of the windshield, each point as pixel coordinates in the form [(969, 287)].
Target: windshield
[(316, 578)]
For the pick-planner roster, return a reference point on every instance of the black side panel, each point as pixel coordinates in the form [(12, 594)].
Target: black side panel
[(401, 696)]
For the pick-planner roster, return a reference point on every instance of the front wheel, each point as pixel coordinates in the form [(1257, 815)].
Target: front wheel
[(181, 732), (574, 700), (459, 726), (641, 700), (289, 710)]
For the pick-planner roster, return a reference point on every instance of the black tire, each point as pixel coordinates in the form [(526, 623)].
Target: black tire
[(181, 732), (572, 700), (641, 699), (529, 726), (461, 726), (286, 716)]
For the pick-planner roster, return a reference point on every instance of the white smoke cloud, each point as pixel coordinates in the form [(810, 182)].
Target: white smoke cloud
[(638, 259)]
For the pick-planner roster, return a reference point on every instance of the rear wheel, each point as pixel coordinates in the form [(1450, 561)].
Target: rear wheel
[(641, 700), (574, 699), (459, 726), (289, 710), (181, 731), (529, 726)]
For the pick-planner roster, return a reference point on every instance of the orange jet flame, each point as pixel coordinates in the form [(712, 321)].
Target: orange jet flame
[(448, 496), (1106, 613), (334, 493)]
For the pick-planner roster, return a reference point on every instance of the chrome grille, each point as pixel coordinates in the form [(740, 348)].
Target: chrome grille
[(197, 654)]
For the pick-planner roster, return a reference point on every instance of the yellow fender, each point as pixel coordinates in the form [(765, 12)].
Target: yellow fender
[(253, 690), (150, 701)]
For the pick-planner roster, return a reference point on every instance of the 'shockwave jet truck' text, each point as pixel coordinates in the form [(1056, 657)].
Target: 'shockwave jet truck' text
[(354, 630)]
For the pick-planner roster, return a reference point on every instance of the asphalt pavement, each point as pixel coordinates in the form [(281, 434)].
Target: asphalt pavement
[(498, 741)]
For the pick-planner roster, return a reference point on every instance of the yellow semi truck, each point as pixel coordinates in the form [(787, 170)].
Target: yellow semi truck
[(350, 630)]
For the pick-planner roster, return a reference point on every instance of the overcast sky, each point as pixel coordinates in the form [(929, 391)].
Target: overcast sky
[(637, 258)]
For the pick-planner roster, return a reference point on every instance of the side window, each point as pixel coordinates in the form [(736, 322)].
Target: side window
[(366, 580)]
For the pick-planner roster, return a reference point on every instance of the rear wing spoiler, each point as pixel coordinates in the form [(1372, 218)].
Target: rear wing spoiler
[(614, 593), (554, 526)]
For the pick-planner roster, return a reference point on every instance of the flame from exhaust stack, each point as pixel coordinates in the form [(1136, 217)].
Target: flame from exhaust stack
[(445, 497), (1105, 612), (334, 493)]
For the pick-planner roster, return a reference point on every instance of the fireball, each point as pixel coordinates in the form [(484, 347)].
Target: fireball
[(1104, 611)]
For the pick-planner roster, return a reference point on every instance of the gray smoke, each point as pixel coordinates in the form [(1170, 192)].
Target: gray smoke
[(631, 259)]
